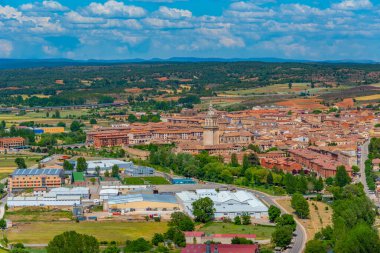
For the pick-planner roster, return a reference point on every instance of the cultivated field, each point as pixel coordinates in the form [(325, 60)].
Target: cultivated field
[(280, 89), (368, 98), (319, 217), (303, 103), (261, 232), (43, 232)]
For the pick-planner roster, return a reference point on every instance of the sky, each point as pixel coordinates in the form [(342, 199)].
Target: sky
[(128, 29)]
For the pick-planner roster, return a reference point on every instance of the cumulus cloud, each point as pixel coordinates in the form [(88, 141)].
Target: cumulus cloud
[(43, 6), (354, 5), (113, 8), (173, 13), (6, 48), (75, 17)]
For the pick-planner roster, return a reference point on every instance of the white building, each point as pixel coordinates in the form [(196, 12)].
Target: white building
[(105, 165), (226, 203), (43, 201)]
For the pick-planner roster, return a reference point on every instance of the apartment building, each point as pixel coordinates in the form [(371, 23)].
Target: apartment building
[(22, 179)]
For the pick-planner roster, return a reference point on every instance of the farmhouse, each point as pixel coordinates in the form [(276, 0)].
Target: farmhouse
[(226, 203)]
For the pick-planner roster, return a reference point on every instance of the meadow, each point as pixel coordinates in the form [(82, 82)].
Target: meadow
[(261, 232), (43, 232)]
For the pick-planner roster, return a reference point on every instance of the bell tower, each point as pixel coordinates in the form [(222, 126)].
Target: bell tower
[(211, 128)]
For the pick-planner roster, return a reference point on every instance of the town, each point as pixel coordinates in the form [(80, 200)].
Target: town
[(298, 150)]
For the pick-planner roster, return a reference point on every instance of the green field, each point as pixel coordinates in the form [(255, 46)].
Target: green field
[(280, 89), (9, 160), (37, 214), (43, 232), (145, 180), (261, 232)]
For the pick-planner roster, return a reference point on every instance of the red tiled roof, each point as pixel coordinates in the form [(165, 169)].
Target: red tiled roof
[(222, 248)]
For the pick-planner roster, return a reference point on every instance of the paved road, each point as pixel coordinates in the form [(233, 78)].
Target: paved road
[(363, 158)]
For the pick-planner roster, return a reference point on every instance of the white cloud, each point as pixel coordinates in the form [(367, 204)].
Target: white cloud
[(6, 48), (50, 50), (75, 17), (173, 13), (116, 9), (353, 5), (231, 42), (53, 6), (9, 12), (244, 6), (164, 23)]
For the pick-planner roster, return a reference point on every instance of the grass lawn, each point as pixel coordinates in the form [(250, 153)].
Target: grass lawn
[(43, 232), (145, 180), (261, 232), (9, 160), (37, 214), (319, 217)]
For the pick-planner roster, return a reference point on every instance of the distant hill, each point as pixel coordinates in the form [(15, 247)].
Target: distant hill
[(36, 63)]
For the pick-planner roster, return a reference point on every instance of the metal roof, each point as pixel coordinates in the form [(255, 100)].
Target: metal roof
[(35, 172), (142, 197)]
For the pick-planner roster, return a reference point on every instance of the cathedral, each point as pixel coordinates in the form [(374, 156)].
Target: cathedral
[(211, 128)]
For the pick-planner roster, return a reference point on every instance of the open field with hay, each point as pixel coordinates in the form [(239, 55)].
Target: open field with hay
[(320, 216), (43, 232), (368, 98)]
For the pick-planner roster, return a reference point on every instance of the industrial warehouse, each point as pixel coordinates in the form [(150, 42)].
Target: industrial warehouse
[(226, 203)]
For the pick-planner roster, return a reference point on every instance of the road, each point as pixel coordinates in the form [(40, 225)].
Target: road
[(363, 158)]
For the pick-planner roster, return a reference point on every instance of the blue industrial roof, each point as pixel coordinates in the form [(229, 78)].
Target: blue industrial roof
[(35, 172), (142, 197)]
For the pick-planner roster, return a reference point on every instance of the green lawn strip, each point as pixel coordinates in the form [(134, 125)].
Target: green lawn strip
[(145, 180), (261, 232)]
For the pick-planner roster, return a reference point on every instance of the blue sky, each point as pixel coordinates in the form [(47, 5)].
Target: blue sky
[(125, 29)]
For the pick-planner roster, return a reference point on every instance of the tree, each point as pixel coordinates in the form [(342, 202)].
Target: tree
[(97, 169), (115, 171), (342, 178), (253, 159), (73, 242), (20, 163), (81, 164), (300, 205), (282, 236), (234, 160), (157, 238), (245, 218), (274, 212), (329, 181), (75, 126), (181, 221), (93, 121), (61, 124), (319, 185), (270, 178), (111, 249), (315, 246), (203, 209), (139, 245), (57, 114), (107, 173), (290, 85), (245, 165), (132, 118), (239, 240), (286, 220), (176, 235), (237, 220), (361, 239), (67, 165), (3, 224), (93, 180), (355, 168)]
